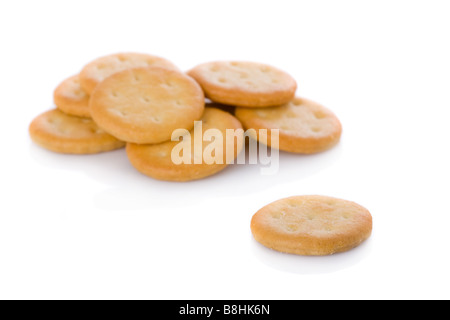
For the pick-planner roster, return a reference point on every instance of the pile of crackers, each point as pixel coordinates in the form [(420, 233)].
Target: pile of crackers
[(139, 100)]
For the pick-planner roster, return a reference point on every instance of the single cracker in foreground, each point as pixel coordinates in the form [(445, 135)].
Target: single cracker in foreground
[(145, 105), (62, 133), (304, 126), (244, 84), (101, 68), (186, 160), (70, 98), (312, 225)]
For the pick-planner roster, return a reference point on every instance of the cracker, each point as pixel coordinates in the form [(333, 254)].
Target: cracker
[(62, 133), (312, 225), (145, 105), (155, 160), (103, 67), (70, 98), (305, 126), (244, 84)]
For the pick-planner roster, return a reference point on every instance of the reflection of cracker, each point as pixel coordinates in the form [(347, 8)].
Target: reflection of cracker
[(70, 98), (145, 105), (305, 126), (103, 67), (312, 225), (156, 160), (59, 132), (244, 84)]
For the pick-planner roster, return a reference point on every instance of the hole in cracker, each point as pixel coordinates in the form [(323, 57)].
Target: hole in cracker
[(234, 64), (145, 99), (167, 85), (96, 131), (161, 154), (119, 113), (292, 227), (296, 102), (261, 114), (316, 129), (114, 94), (278, 215), (222, 80), (319, 115), (156, 119)]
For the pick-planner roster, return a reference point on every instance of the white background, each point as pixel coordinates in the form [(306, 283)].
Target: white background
[(92, 227)]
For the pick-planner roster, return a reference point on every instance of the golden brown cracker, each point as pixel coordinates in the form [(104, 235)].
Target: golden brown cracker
[(244, 84), (305, 126), (70, 98), (101, 68), (145, 105), (62, 133), (312, 225), (156, 160)]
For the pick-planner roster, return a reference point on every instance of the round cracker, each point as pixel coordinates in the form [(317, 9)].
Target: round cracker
[(70, 98), (156, 160), (305, 126), (145, 105), (103, 67), (312, 225), (62, 133), (244, 84)]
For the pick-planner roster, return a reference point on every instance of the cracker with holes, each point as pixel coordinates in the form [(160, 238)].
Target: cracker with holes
[(244, 84), (145, 105), (62, 133), (305, 126), (312, 225), (70, 98), (157, 160), (101, 68)]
